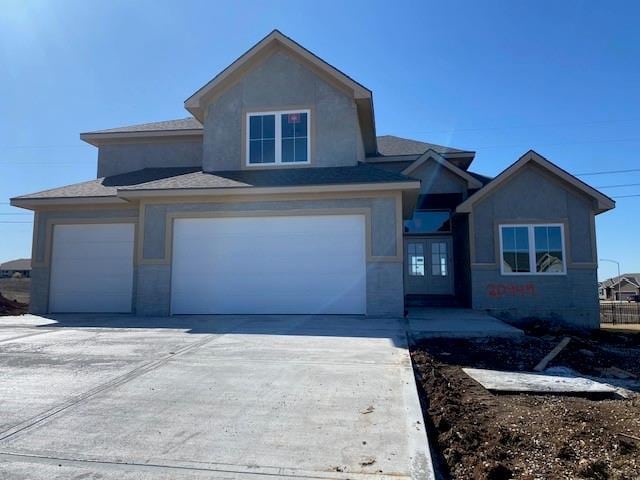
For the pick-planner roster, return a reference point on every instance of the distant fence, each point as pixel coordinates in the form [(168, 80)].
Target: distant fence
[(619, 312)]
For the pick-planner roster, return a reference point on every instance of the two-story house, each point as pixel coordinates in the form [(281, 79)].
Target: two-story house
[(278, 197)]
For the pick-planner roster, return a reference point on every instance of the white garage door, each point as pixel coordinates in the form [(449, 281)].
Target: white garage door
[(261, 265), (92, 268)]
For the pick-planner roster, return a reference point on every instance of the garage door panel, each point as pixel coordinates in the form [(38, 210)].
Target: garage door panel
[(92, 268), (306, 264)]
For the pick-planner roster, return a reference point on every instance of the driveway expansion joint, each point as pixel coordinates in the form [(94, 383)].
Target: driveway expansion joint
[(250, 471), (42, 417)]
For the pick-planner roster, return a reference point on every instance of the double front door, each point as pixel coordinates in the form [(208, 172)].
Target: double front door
[(428, 267)]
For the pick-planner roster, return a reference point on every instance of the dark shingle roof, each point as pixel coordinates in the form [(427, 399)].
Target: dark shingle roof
[(388, 145), (194, 177), (285, 177), (481, 178), (392, 145), (19, 264), (396, 166), (188, 123)]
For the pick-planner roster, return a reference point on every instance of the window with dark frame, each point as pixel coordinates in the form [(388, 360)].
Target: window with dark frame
[(429, 221), (415, 259)]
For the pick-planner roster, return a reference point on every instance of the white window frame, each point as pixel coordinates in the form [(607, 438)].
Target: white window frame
[(278, 137), (532, 249)]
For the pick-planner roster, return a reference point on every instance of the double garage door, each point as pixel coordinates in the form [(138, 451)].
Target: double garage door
[(239, 265)]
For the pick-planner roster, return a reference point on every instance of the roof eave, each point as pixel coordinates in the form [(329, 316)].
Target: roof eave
[(196, 103), (275, 38), (333, 188), (37, 203), (472, 183), (602, 202), (97, 138)]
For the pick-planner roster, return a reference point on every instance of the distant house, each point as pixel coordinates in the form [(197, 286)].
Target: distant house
[(620, 288), (21, 266)]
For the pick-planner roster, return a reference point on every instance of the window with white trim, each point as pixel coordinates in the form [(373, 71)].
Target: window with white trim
[(532, 249), (278, 137)]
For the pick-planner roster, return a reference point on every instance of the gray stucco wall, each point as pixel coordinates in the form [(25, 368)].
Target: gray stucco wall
[(152, 276), (40, 271), (533, 196), (282, 83), (437, 179), (114, 159), (385, 291)]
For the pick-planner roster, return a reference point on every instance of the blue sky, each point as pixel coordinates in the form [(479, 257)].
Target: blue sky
[(496, 77)]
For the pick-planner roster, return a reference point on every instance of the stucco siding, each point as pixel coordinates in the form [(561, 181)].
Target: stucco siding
[(114, 159), (438, 179), (570, 299), (383, 221), (279, 83), (39, 301), (533, 196), (154, 290)]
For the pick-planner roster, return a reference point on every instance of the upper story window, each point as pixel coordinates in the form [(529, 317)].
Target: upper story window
[(429, 221), (278, 137), (532, 249)]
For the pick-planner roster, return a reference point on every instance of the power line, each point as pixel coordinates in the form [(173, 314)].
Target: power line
[(39, 146), (627, 196), (15, 213), (621, 185), (607, 172), (515, 127), (8, 221)]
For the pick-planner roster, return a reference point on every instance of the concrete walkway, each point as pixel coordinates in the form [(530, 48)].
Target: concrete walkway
[(456, 322), (121, 397)]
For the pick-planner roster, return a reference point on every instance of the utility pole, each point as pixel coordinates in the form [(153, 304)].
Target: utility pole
[(619, 282)]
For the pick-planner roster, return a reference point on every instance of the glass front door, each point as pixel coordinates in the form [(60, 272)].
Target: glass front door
[(428, 268)]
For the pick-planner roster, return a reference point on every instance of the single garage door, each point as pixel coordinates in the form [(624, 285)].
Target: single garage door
[(92, 268), (269, 265)]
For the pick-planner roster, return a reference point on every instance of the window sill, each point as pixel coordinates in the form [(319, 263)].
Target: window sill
[(277, 165), (533, 274)]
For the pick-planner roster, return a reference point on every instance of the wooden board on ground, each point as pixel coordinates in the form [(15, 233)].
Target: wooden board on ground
[(534, 383)]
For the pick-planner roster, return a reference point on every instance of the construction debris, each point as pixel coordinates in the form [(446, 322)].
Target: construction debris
[(552, 354), (499, 381)]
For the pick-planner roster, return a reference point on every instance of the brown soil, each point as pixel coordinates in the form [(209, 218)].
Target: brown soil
[(14, 296), (16, 289), (11, 307), (485, 436)]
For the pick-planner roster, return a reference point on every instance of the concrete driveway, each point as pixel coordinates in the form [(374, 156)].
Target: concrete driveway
[(208, 397)]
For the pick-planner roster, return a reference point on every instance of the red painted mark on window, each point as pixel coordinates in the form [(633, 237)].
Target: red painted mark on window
[(294, 118), (499, 290)]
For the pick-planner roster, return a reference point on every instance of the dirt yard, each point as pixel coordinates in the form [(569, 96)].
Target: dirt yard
[(483, 435), (14, 295)]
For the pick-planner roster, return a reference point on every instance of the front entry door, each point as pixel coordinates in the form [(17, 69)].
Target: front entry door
[(428, 268)]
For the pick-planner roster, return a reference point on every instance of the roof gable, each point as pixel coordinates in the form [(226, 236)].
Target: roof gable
[(276, 41), (432, 156), (603, 203)]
